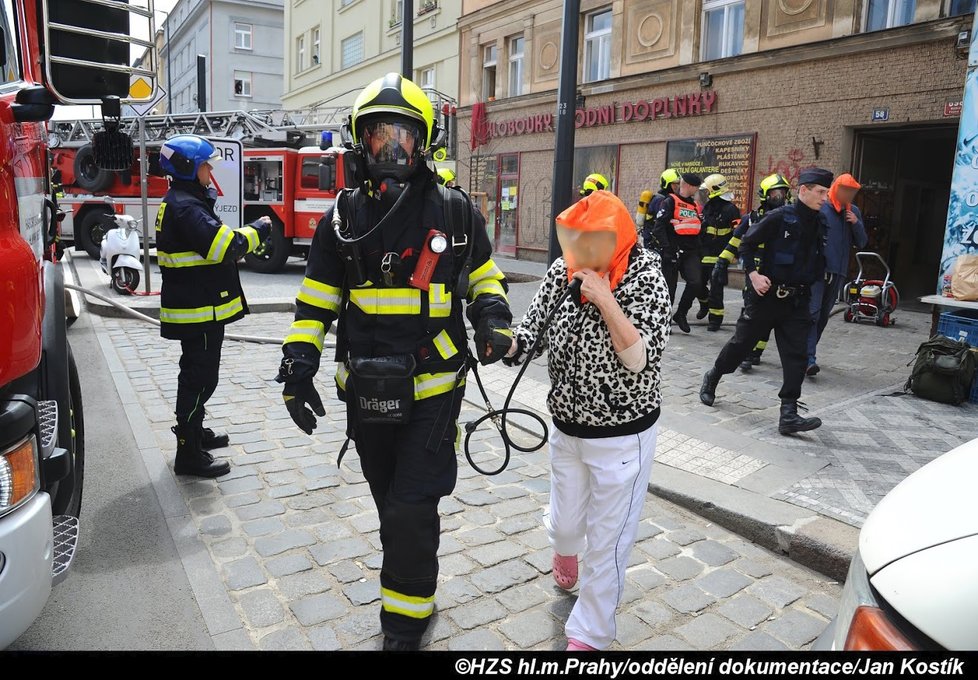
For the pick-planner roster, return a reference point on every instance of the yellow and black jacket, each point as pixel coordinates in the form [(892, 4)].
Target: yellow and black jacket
[(731, 251), (386, 316), (720, 219), (198, 254)]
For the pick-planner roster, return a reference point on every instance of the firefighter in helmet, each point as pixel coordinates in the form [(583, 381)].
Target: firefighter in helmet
[(594, 182), (392, 262), (446, 177), (668, 185), (720, 218), (201, 291), (774, 192)]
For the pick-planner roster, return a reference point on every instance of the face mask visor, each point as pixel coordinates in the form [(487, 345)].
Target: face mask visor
[(390, 148)]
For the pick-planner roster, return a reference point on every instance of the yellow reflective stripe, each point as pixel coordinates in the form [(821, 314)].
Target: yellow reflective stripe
[(407, 605), (229, 309), (716, 312), (721, 231), (728, 255), (159, 214), (432, 384), (320, 295), (761, 345), (487, 287), (439, 301), (709, 259), (185, 259), (734, 242), (195, 315), (443, 343), (342, 373), (220, 244), (313, 332), (387, 300), (488, 271), (251, 234)]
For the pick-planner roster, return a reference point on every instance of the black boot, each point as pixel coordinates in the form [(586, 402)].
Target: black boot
[(704, 310), (680, 319), (746, 365), (714, 325), (191, 459), (395, 645), (708, 391), (791, 422), (210, 440), (755, 357)]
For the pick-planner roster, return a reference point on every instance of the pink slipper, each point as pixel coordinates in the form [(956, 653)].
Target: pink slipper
[(565, 570), (578, 646)]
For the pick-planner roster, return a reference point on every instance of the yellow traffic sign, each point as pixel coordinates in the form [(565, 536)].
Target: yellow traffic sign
[(140, 88)]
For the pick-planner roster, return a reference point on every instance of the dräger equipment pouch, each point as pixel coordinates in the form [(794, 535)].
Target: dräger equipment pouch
[(383, 388)]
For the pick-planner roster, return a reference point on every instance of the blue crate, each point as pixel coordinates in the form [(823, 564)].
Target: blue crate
[(956, 326)]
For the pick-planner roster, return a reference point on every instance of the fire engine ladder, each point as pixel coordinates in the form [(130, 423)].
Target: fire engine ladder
[(252, 128)]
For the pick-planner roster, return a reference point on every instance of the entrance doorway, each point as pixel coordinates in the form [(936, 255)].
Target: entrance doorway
[(507, 203), (906, 179)]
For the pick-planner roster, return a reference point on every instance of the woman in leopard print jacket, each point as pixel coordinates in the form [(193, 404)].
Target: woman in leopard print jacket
[(604, 357)]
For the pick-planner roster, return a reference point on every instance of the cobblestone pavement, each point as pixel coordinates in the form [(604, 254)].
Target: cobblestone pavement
[(295, 541)]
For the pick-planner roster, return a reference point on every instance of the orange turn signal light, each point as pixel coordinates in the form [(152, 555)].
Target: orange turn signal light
[(871, 630), (18, 474)]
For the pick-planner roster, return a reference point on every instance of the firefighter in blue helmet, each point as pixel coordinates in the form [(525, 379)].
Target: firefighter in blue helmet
[(392, 263), (201, 291)]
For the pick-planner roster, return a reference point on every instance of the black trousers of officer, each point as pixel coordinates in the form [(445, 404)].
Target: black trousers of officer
[(790, 320), (689, 266), (200, 366), (711, 295), (407, 478)]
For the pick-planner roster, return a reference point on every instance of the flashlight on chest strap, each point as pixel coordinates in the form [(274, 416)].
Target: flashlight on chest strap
[(435, 243)]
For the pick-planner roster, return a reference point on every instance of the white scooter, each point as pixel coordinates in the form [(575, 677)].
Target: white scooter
[(121, 252)]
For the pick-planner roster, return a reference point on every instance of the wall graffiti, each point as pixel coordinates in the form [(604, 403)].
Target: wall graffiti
[(535, 221), (790, 166)]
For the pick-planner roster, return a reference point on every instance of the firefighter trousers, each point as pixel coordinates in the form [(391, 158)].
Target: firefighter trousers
[(711, 295), (407, 478), (688, 265), (790, 321), (597, 489), (200, 366)]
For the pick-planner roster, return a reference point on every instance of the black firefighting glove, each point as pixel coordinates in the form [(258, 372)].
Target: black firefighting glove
[(493, 339), (719, 276), (302, 400), (263, 225)]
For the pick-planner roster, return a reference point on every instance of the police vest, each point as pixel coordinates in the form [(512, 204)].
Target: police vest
[(785, 260), (685, 217)]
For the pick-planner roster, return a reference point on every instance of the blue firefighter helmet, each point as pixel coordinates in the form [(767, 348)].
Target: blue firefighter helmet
[(181, 156)]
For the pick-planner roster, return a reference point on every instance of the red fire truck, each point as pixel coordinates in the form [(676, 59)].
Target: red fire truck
[(46, 49), (285, 176)]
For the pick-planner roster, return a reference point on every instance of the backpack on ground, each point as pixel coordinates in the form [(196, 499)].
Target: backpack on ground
[(943, 370)]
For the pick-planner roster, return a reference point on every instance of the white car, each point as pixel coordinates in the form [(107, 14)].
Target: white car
[(913, 583)]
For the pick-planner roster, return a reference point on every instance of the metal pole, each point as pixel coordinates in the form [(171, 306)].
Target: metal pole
[(407, 39), (142, 194), (564, 143), (201, 83), (169, 79)]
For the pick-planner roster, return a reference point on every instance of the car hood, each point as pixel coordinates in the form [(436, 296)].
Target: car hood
[(936, 504)]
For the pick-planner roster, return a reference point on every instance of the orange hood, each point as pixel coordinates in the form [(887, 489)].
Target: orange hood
[(843, 180), (603, 211)]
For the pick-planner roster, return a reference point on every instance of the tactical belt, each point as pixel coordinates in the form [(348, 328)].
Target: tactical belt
[(782, 291)]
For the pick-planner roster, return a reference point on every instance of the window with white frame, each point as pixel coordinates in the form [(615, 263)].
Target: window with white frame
[(516, 65), (723, 28), (397, 12), (351, 50), (315, 46), (488, 72), (242, 36), (242, 84), (597, 46), (344, 3), (958, 7), (300, 53), (882, 14), (426, 81)]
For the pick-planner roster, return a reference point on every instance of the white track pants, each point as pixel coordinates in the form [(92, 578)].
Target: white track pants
[(597, 489)]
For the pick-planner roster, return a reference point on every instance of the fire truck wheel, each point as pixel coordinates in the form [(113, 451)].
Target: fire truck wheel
[(89, 176), (68, 496), (272, 255), (91, 231)]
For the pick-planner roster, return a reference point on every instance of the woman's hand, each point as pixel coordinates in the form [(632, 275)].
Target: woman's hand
[(595, 287)]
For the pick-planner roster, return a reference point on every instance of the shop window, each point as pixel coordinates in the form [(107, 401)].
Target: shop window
[(597, 46), (958, 7), (351, 50), (488, 72), (242, 84), (881, 14), (723, 29), (516, 66), (242, 36)]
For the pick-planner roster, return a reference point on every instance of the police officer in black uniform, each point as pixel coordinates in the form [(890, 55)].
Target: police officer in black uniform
[(201, 291), (793, 259), (393, 261)]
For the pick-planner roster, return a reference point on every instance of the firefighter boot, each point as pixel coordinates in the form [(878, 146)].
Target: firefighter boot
[(791, 422), (191, 459), (704, 310), (395, 645), (210, 440), (708, 391)]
